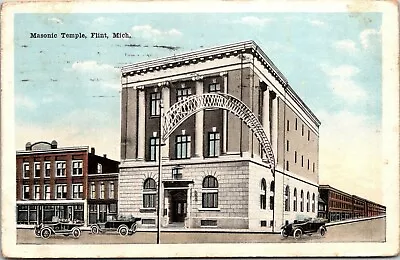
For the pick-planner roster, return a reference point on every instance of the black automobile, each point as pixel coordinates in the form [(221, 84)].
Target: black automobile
[(123, 226), (58, 228), (304, 225)]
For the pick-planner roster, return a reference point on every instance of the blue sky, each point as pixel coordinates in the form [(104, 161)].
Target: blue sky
[(68, 89)]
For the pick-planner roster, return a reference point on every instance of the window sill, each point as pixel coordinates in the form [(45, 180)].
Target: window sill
[(147, 210), (209, 209)]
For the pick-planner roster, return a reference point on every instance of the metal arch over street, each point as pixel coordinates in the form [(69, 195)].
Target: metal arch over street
[(185, 108)]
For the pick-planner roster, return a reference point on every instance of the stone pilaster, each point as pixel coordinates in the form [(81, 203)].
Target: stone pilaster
[(141, 124)]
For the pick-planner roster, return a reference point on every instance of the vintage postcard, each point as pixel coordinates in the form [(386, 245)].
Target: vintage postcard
[(199, 129)]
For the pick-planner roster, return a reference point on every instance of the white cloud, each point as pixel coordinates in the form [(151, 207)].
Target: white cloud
[(345, 45), (103, 21), (78, 128), (350, 153), (367, 35), (25, 102), (147, 31), (55, 20), (342, 84), (92, 66), (252, 20), (315, 22)]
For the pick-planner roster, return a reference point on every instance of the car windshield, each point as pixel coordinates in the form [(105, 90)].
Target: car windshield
[(301, 217)]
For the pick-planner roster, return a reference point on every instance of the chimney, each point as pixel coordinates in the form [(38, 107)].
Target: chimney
[(105, 155), (53, 144), (92, 150), (28, 146)]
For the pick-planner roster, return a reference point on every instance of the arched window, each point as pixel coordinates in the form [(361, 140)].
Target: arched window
[(263, 194), (308, 201), (295, 199), (210, 192), (271, 197), (313, 202), (287, 198), (149, 193), (301, 201)]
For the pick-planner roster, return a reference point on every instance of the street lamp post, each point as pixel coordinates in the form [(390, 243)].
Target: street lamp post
[(159, 213)]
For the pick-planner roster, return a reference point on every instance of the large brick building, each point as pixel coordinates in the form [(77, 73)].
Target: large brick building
[(67, 183), (214, 171)]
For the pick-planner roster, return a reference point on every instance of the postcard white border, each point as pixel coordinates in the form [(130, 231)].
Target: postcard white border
[(390, 129)]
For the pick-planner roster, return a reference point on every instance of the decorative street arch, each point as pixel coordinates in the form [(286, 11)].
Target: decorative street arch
[(185, 108)]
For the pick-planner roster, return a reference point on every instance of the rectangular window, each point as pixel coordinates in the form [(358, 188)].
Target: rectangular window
[(302, 130), (308, 164), (154, 143), (26, 171), (208, 223), (287, 165), (302, 161), (36, 192), (295, 156), (77, 168), (47, 192), (287, 145), (112, 208), (271, 223), (155, 99), (287, 125), (111, 190), (308, 135), (149, 200), (92, 190), (25, 193), (215, 87), (37, 169), (213, 144), (102, 190), (177, 173), (210, 199), (61, 191), (182, 146), (183, 93), (295, 125), (313, 167), (99, 168), (47, 171), (263, 223), (77, 191), (60, 169)]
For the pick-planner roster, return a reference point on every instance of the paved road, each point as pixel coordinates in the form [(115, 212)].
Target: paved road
[(363, 231)]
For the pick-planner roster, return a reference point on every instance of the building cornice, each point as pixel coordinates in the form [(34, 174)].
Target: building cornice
[(204, 55), (56, 150)]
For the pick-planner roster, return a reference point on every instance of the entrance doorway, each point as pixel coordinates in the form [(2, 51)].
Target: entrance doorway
[(178, 205)]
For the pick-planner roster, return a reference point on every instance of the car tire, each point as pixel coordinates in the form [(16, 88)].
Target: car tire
[(297, 233), (284, 234), (37, 232), (123, 230), (45, 233), (76, 232), (94, 229), (322, 231), (133, 228)]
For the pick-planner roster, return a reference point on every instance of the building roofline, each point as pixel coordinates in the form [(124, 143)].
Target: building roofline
[(55, 150), (216, 52)]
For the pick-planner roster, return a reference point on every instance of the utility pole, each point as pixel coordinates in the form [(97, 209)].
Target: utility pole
[(159, 213)]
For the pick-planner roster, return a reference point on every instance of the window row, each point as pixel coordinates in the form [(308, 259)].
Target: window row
[(60, 192), (183, 146), (263, 195), (100, 190), (295, 128), (181, 94), (59, 169), (209, 193), (310, 166)]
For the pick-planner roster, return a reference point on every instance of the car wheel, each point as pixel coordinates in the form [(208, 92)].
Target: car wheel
[(45, 233), (76, 232), (133, 228), (322, 231), (123, 230), (94, 229), (284, 233), (297, 233), (37, 232)]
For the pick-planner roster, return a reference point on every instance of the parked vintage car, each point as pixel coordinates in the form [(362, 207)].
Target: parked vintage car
[(58, 228), (123, 226), (304, 225)]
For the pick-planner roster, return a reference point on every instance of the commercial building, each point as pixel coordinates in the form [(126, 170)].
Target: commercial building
[(218, 170), (339, 205), (64, 183)]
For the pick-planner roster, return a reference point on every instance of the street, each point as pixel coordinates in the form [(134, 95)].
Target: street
[(363, 231)]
